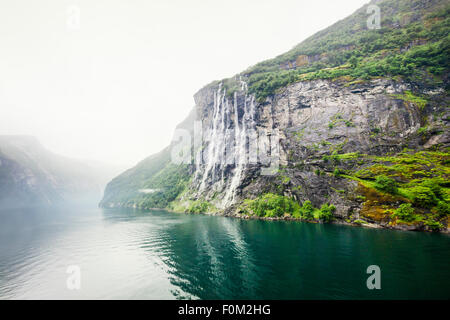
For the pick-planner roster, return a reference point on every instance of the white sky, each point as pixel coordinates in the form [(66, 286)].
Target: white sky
[(114, 89)]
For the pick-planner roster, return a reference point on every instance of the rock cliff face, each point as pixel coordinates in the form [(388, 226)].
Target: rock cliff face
[(305, 133), (374, 147), (306, 122)]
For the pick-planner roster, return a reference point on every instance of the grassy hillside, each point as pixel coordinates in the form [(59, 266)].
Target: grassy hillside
[(153, 183), (413, 43)]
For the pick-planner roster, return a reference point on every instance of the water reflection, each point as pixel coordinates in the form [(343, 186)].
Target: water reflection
[(217, 258), (209, 257), (129, 254)]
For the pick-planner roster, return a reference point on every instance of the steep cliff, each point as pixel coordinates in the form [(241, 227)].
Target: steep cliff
[(353, 121)]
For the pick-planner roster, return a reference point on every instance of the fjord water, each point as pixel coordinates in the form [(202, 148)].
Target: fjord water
[(128, 254)]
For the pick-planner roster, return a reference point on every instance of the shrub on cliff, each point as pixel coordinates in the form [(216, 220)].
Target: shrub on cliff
[(433, 225), (423, 196), (272, 205), (337, 172), (434, 186), (307, 210), (326, 212), (443, 209), (386, 184), (404, 212), (198, 207)]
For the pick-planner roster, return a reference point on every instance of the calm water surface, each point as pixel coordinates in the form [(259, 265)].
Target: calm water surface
[(126, 254)]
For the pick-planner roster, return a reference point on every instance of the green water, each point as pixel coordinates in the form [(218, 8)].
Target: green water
[(125, 254)]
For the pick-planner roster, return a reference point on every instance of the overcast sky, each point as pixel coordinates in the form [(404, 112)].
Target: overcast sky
[(113, 84)]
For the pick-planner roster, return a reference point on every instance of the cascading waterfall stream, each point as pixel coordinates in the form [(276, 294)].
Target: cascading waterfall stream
[(213, 140), (221, 135), (241, 153)]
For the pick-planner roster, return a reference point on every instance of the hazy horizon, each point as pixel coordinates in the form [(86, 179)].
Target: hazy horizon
[(112, 85)]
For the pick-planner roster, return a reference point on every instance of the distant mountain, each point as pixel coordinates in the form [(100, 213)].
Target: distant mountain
[(30, 175)]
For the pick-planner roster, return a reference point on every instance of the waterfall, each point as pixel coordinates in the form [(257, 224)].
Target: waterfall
[(241, 151), (222, 134), (214, 137)]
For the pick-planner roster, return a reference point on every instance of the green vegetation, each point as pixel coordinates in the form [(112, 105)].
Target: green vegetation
[(413, 43), (410, 97), (271, 205), (285, 179), (385, 184), (405, 212), (198, 206), (337, 172), (423, 131), (349, 123), (443, 209), (346, 156), (326, 212), (338, 119), (156, 173), (418, 180), (299, 134), (307, 210), (433, 224), (169, 183), (337, 158), (422, 196)]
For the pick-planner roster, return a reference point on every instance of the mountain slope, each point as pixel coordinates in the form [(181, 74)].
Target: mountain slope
[(412, 42), (353, 121), (30, 175), (153, 183)]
